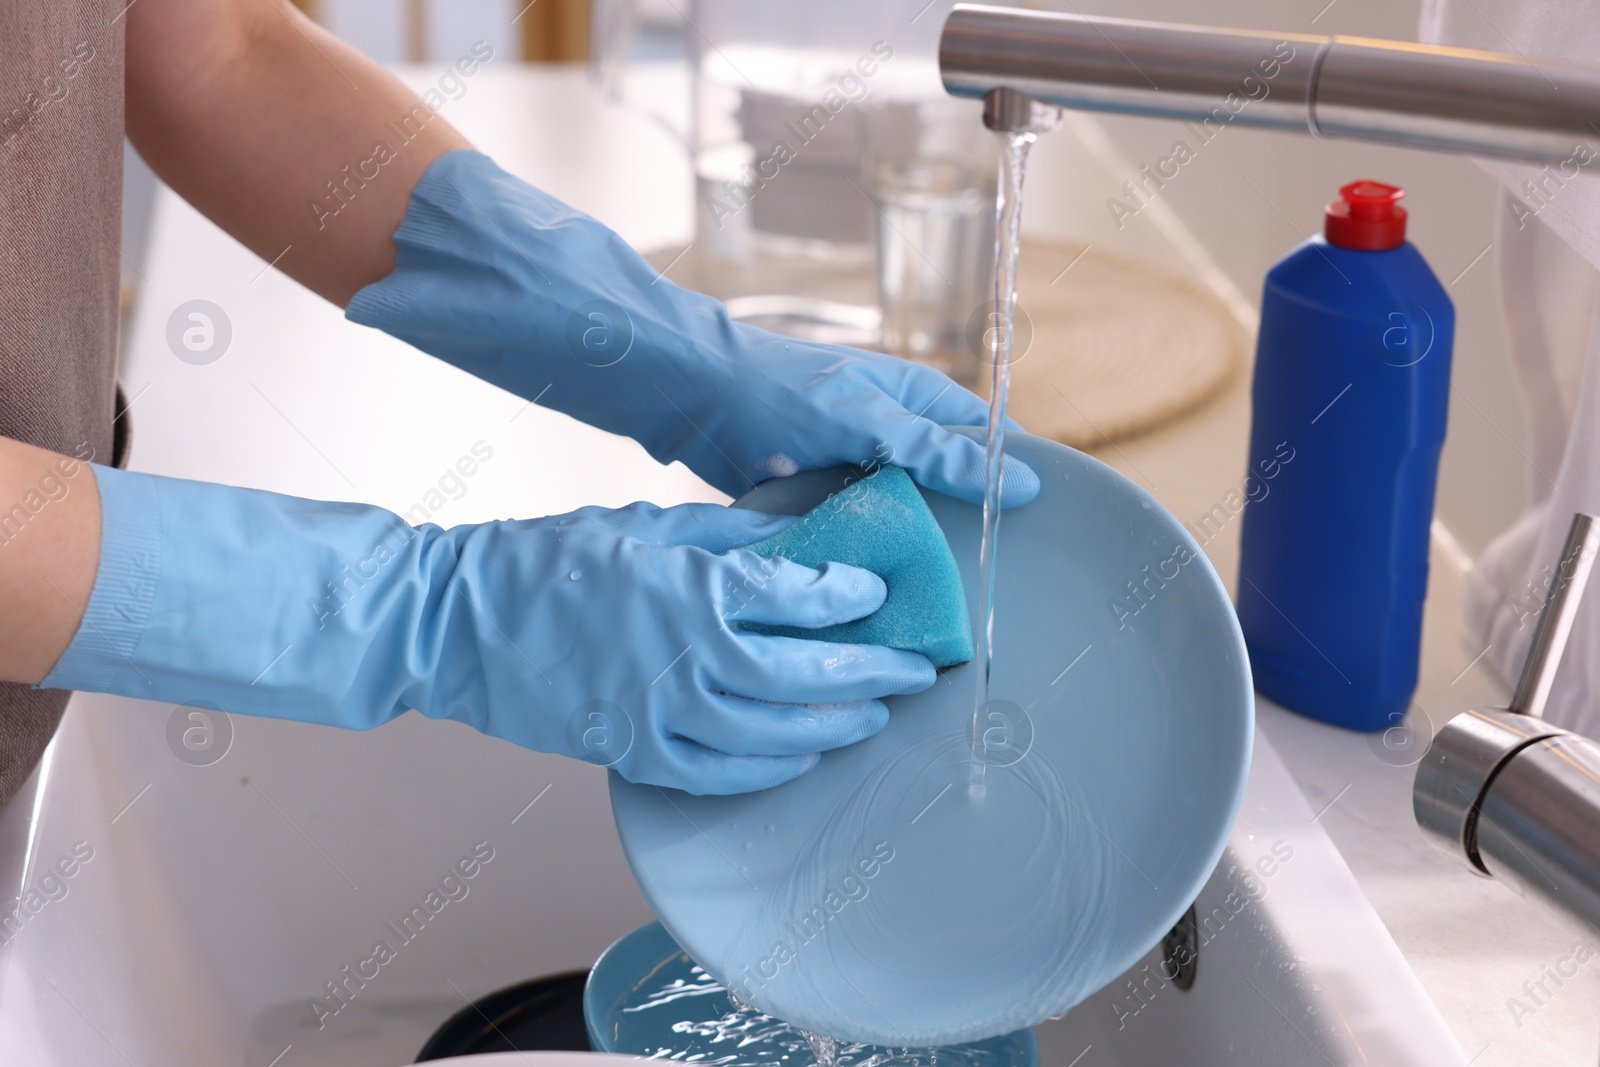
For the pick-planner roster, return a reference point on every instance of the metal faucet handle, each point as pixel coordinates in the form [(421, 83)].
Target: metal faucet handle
[(1557, 617), (1510, 795)]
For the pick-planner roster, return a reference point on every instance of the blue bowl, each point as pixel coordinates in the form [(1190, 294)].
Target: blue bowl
[(646, 997), (879, 898)]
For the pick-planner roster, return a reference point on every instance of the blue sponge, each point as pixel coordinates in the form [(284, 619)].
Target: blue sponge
[(882, 524)]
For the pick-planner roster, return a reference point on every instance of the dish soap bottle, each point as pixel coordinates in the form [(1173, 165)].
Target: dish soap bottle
[(1352, 384)]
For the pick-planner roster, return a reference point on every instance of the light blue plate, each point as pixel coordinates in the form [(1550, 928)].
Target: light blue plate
[(876, 899)]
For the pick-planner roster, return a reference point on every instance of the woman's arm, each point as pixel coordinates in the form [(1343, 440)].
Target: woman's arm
[(49, 547), (251, 112), (248, 110)]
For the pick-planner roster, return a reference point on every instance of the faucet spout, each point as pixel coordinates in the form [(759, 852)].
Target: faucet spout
[(1008, 111), (1396, 92)]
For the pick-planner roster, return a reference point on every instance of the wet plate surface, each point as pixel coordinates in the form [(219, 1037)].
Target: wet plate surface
[(878, 898)]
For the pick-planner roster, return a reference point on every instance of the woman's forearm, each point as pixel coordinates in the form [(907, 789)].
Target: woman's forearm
[(49, 549), (293, 142)]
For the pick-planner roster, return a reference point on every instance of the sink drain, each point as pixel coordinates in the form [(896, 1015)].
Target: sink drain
[(1180, 951), (542, 1014)]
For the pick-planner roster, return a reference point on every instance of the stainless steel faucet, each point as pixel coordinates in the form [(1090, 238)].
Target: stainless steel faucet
[(1397, 92)]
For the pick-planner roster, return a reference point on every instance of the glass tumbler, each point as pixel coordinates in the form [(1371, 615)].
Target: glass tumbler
[(932, 171)]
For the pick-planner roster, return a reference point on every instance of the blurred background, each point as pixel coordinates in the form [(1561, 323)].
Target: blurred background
[(417, 31), (1245, 201)]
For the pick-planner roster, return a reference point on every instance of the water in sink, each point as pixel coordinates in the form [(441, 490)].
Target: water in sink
[(680, 1013)]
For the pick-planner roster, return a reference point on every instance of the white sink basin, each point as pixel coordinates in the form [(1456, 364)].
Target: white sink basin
[(1293, 965), (221, 900)]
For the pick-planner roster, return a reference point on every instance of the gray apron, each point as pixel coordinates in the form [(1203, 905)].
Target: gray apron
[(60, 227)]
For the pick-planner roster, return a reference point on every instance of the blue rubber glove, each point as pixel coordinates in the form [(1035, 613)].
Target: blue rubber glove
[(612, 636), (516, 287)]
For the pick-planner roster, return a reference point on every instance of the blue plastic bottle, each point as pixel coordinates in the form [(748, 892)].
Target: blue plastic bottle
[(1352, 384)]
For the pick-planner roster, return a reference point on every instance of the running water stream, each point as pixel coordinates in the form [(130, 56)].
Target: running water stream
[(999, 339)]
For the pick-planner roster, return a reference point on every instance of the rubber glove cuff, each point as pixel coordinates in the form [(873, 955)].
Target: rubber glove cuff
[(98, 660)]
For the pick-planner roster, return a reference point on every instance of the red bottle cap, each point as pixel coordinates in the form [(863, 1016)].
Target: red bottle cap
[(1368, 218)]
